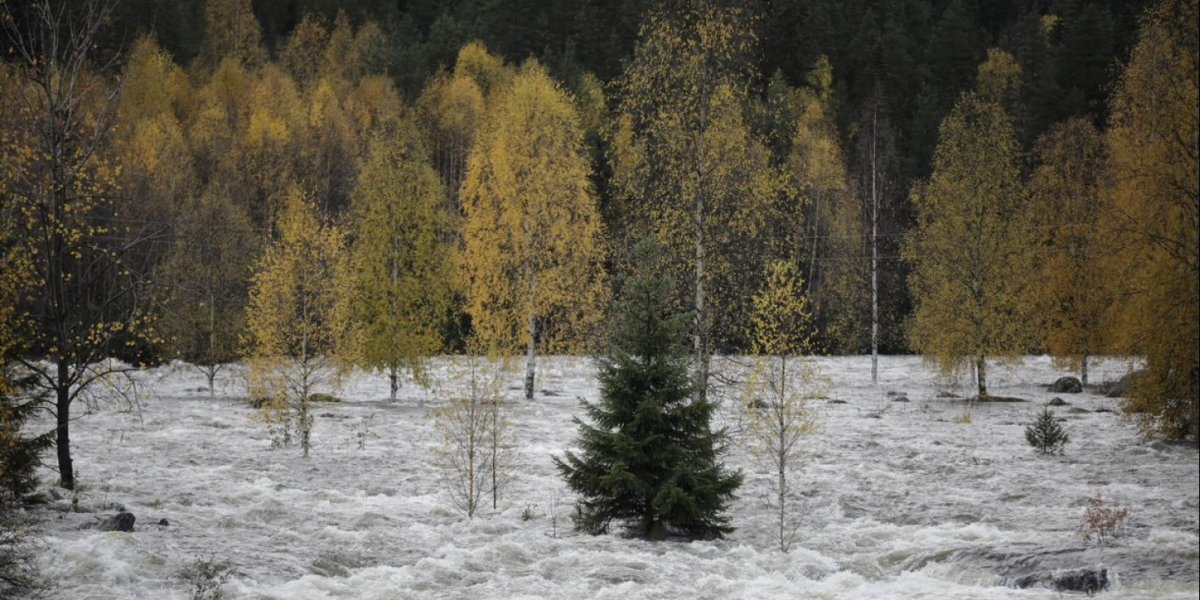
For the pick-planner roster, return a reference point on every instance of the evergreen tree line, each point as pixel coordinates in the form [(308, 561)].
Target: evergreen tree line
[(287, 196)]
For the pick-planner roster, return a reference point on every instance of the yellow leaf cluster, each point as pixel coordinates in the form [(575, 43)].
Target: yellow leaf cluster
[(532, 234), (1067, 206), (1153, 139), (397, 286), (292, 303), (971, 249)]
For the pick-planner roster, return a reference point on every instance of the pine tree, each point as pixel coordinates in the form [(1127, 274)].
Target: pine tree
[(1046, 434), (650, 460), (20, 453)]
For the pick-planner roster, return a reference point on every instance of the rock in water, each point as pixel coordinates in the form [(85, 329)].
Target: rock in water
[(1057, 402), (1087, 581), (1066, 385), (1084, 580), (121, 521)]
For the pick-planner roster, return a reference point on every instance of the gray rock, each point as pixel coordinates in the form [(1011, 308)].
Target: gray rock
[(1056, 401), (900, 398), (1087, 581), (122, 521), (1066, 385), (1084, 580), (1120, 388)]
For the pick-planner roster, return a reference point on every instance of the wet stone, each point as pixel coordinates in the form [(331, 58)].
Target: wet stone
[(122, 521), (1066, 385)]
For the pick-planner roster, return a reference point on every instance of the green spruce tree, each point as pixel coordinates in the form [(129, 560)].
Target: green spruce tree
[(1046, 434), (20, 452), (650, 459)]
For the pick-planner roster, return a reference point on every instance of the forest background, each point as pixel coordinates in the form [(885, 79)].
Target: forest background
[(213, 180)]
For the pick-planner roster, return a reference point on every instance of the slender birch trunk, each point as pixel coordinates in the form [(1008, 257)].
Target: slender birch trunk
[(531, 357)]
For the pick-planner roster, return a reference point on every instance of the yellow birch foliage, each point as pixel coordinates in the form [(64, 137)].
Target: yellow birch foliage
[(452, 110), (398, 285), (205, 278), (532, 234), (1153, 140), (685, 163), (998, 79), (824, 208), (777, 411), (290, 316), (15, 267), (150, 140), (302, 51), (487, 70), (971, 249), (1067, 204)]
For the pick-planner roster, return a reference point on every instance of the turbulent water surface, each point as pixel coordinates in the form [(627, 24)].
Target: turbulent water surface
[(931, 498)]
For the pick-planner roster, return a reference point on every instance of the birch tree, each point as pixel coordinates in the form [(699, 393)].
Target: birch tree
[(831, 248), (685, 161), (289, 319), (205, 284), (970, 249), (83, 300), (777, 409), (878, 191), (532, 251), (1067, 206), (1153, 140), (398, 286), (476, 446)]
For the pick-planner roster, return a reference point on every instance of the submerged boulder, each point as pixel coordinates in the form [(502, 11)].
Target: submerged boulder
[(1066, 385), (122, 521), (1087, 581), (1121, 387), (1056, 401)]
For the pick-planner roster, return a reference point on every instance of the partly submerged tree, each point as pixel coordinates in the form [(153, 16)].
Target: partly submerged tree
[(778, 410), (971, 249), (650, 459), (83, 300), (1155, 218), (1067, 205), (289, 319), (476, 437), (831, 247), (205, 282), (532, 254), (686, 163), (398, 286)]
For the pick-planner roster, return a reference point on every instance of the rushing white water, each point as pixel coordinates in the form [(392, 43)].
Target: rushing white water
[(894, 500)]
